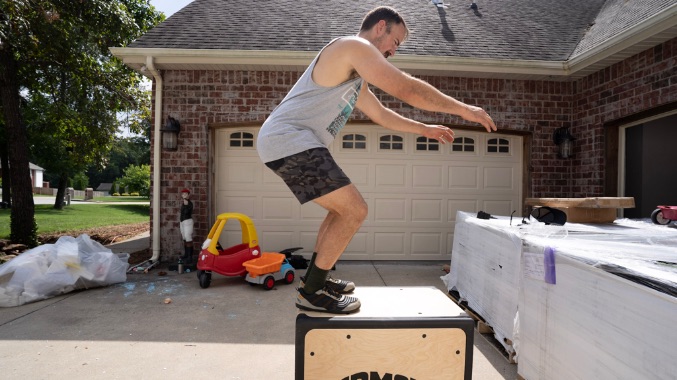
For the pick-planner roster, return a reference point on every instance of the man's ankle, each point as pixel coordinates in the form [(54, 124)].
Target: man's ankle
[(315, 280)]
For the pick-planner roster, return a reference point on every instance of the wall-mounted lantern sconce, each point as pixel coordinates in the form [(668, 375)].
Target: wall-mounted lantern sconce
[(564, 141), (170, 134)]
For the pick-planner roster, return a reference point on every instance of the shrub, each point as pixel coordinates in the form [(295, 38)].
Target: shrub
[(80, 181), (136, 179), (116, 194)]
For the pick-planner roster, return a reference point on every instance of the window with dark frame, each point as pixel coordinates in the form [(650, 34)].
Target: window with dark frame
[(498, 145), (463, 144), (354, 141), (391, 142), (424, 144), (241, 140)]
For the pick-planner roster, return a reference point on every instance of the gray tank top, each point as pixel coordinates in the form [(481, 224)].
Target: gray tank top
[(310, 116)]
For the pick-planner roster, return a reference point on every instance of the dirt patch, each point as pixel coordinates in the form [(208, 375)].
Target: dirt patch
[(139, 256), (104, 235)]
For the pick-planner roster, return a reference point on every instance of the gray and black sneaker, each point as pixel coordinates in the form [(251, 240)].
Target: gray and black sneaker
[(339, 286), (327, 301)]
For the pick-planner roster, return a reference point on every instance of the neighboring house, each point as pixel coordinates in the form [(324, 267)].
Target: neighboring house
[(104, 187), (36, 175), (603, 69)]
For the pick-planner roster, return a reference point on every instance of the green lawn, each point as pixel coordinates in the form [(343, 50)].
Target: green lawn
[(80, 217)]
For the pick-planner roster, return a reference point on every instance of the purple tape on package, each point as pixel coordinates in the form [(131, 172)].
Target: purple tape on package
[(549, 265)]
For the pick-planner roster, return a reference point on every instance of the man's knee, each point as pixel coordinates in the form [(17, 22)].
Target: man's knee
[(346, 202), (361, 210), (356, 211)]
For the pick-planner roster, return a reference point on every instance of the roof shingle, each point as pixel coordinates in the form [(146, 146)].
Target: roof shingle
[(547, 30), (540, 30)]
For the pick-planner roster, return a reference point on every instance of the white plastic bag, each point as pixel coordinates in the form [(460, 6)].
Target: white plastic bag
[(53, 269)]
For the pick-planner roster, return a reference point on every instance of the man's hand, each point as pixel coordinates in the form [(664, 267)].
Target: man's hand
[(439, 132), (478, 115)]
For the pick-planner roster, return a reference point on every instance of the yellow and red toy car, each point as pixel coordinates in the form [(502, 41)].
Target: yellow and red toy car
[(232, 261)]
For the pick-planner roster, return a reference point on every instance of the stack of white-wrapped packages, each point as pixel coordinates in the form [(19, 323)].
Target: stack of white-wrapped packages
[(52, 269), (578, 301)]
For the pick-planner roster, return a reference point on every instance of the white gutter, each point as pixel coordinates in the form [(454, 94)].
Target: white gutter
[(173, 56), (478, 65), (279, 60), (156, 159)]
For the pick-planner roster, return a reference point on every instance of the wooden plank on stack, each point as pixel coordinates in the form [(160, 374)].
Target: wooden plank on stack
[(586, 210)]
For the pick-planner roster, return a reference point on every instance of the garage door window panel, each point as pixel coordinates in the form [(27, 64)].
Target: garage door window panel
[(391, 143), (354, 141), (241, 140), (424, 144), (463, 145), (497, 145)]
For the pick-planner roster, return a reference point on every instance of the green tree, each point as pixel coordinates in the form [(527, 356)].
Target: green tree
[(4, 163), (80, 181), (136, 179), (58, 79), (125, 151)]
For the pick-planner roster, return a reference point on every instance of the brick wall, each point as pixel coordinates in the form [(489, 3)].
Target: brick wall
[(201, 98), (640, 83)]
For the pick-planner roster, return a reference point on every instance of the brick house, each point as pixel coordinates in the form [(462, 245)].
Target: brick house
[(603, 70)]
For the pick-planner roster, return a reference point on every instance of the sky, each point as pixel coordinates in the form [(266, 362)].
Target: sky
[(169, 7)]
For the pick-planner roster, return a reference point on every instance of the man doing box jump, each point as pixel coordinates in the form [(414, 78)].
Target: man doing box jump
[(293, 140)]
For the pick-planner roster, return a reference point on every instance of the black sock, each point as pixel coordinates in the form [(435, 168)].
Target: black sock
[(316, 280), (311, 263)]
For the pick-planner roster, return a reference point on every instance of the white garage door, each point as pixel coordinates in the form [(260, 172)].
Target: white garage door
[(413, 188)]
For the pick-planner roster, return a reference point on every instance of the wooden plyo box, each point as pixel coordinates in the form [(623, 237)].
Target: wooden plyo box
[(400, 333), (586, 210)]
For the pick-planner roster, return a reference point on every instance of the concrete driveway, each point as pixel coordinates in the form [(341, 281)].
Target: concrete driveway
[(230, 330)]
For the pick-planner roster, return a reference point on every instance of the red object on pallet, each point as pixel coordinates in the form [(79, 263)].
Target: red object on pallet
[(664, 214), (669, 212)]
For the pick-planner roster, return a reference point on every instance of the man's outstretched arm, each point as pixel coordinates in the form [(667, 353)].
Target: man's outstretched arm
[(372, 107), (375, 69)]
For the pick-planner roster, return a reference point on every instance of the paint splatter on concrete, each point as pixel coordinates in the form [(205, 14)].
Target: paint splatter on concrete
[(130, 286)]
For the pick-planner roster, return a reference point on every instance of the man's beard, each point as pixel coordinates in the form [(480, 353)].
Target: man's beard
[(377, 42)]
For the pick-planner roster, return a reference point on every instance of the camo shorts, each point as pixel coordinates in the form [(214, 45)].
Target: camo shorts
[(310, 174)]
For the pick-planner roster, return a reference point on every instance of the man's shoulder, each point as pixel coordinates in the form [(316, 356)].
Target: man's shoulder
[(335, 64), (348, 42), (346, 49)]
